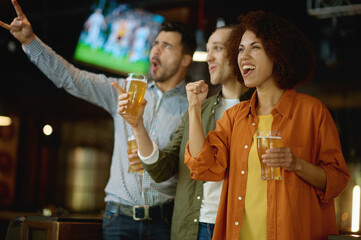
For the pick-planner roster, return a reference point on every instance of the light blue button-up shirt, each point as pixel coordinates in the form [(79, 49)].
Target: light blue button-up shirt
[(162, 116)]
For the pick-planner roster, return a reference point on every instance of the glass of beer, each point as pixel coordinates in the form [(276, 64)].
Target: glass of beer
[(135, 86), (267, 140), (132, 144)]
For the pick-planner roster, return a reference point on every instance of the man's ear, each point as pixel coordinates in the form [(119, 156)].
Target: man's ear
[(187, 60)]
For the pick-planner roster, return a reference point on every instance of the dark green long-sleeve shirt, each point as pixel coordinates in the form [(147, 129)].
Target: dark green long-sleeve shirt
[(189, 192)]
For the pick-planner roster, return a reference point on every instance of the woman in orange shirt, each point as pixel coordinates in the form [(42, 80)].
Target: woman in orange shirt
[(273, 56)]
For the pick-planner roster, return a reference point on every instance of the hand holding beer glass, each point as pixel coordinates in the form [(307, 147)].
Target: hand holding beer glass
[(135, 86), (267, 140), (133, 166)]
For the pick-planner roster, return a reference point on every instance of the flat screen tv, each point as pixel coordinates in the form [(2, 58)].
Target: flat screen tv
[(117, 37)]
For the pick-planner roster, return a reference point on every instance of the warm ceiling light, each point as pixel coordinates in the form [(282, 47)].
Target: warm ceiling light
[(5, 121), (47, 130), (199, 56)]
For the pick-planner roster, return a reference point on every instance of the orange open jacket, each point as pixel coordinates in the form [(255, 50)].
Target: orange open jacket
[(295, 209)]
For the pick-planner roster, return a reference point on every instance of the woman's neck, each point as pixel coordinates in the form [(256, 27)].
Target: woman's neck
[(267, 99)]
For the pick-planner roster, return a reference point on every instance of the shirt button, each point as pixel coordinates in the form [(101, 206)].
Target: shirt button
[(242, 172), (253, 124), (245, 146), (236, 223), (195, 220), (212, 111), (198, 197), (239, 198)]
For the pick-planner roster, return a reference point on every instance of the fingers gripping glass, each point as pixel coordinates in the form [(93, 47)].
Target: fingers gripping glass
[(132, 144), (135, 86), (267, 140)]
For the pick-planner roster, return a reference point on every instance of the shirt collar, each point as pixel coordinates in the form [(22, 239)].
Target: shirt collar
[(218, 98), (244, 97), (283, 107), (179, 89)]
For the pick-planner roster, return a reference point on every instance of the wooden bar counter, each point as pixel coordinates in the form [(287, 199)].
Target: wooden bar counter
[(34, 226), (61, 228)]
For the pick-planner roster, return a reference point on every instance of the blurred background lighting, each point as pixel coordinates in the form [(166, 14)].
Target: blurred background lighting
[(355, 224), (5, 121), (199, 56), (47, 130)]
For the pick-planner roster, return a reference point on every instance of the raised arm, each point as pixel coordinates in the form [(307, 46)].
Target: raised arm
[(20, 27), (196, 94)]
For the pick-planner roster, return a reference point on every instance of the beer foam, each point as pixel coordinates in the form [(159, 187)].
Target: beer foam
[(132, 137), (135, 79), (270, 137)]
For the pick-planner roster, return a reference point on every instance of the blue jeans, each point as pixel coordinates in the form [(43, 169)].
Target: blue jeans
[(205, 231), (118, 226)]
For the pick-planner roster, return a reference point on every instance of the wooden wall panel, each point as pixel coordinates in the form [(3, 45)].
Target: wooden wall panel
[(9, 136)]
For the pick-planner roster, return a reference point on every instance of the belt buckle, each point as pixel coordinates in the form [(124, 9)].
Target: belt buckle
[(146, 213)]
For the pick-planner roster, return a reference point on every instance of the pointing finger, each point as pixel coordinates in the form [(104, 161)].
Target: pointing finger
[(117, 87), (4, 25), (18, 9)]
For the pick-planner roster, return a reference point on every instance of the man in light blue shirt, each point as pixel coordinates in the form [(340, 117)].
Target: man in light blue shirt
[(137, 207)]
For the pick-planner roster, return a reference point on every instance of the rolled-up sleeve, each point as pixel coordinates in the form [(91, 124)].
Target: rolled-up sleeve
[(331, 159), (212, 162)]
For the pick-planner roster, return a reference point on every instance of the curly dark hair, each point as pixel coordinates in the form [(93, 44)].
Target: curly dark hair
[(288, 48)]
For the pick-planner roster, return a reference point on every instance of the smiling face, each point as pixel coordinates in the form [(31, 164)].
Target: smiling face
[(218, 64), (166, 56), (256, 67)]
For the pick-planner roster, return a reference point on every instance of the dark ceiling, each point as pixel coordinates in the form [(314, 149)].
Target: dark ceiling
[(58, 23)]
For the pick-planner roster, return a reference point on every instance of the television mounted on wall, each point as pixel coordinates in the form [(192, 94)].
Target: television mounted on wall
[(117, 37)]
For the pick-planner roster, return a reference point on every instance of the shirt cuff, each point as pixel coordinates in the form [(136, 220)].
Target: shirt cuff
[(34, 47), (152, 158)]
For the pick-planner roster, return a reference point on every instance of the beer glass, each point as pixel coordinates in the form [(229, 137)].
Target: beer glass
[(135, 86), (132, 144), (267, 140)]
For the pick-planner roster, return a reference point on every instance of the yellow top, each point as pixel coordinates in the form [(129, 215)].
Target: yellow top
[(254, 221)]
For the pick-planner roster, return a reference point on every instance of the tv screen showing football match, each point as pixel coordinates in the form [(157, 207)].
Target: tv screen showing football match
[(118, 38)]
